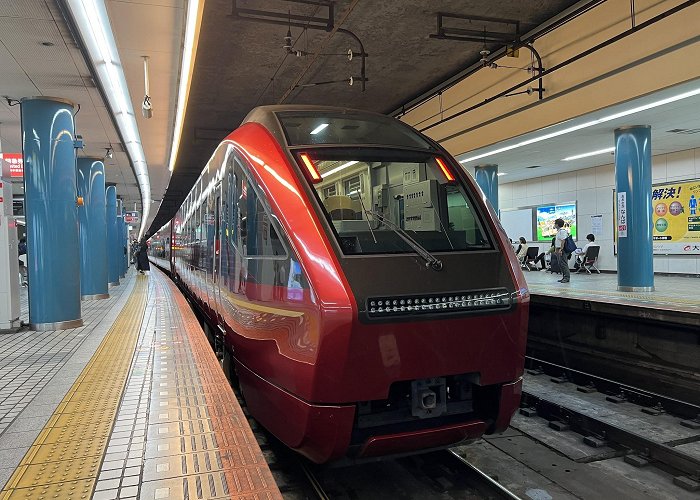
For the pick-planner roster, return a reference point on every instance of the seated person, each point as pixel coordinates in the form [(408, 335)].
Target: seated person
[(522, 249), (549, 253), (580, 256), (541, 258)]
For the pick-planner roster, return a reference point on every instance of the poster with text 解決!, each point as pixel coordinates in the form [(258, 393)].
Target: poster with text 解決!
[(676, 218)]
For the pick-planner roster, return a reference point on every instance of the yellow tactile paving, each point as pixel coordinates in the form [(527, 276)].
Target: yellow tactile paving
[(65, 458)]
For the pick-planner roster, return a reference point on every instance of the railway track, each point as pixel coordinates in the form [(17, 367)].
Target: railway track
[(484, 483), (437, 474), (596, 420), (636, 395)]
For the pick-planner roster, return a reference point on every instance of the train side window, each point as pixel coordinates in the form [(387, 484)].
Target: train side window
[(259, 236)]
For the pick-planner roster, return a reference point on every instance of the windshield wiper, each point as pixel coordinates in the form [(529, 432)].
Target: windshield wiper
[(430, 260)]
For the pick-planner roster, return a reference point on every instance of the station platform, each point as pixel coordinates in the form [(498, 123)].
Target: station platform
[(677, 294), (131, 405)]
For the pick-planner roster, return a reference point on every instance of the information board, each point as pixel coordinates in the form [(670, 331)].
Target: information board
[(517, 223)]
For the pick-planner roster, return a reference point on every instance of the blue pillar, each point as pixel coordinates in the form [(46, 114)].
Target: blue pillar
[(93, 229), (487, 179), (635, 261), (48, 129), (112, 236)]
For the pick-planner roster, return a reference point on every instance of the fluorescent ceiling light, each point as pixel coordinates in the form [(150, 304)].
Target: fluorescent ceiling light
[(587, 124), (318, 129), (338, 169), (91, 19), (501, 174), (194, 19), (592, 153)]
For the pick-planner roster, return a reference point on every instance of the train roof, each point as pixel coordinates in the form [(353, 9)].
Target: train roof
[(308, 125)]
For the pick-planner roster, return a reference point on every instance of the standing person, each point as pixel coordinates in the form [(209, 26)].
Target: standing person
[(142, 263), (560, 253), (22, 250)]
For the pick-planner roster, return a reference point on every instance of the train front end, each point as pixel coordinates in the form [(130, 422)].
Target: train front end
[(421, 309)]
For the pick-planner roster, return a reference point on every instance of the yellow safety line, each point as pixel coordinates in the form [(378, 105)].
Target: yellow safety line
[(65, 459)]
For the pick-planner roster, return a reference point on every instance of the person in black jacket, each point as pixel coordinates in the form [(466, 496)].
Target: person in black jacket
[(22, 250), (142, 263)]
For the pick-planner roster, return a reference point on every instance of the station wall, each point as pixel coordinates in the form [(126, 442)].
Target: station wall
[(592, 189), (640, 64)]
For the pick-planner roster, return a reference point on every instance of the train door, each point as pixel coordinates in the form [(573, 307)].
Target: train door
[(217, 277), (216, 253)]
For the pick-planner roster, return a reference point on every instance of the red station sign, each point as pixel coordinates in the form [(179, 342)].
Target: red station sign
[(16, 162)]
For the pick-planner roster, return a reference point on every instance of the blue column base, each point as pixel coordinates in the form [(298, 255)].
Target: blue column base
[(58, 325)]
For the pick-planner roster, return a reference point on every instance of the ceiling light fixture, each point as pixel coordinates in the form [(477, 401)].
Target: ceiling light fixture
[(318, 129), (194, 19), (587, 124), (91, 20), (592, 153), (341, 167), (501, 174)]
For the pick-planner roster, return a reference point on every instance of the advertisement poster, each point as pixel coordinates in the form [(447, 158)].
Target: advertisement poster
[(546, 215), (597, 225), (676, 218)]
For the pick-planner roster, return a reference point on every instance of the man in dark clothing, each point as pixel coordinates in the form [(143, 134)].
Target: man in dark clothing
[(142, 263)]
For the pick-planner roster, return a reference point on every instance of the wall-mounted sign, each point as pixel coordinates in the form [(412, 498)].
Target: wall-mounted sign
[(15, 162), (547, 214), (622, 214), (131, 217), (676, 217)]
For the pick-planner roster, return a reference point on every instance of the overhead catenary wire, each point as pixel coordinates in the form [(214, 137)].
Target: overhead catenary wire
[(335, 29), (281, 64)]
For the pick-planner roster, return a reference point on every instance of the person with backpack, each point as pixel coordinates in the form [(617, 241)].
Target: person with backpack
[(562, 244)]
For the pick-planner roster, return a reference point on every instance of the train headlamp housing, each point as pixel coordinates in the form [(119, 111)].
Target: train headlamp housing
[(453, 302)]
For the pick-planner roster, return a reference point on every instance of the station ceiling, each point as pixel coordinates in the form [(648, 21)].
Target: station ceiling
[(241, 63)]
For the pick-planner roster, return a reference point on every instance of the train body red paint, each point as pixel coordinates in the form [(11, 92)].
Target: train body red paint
[(366, 298)]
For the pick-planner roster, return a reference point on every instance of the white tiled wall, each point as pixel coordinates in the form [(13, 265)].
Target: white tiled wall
[(592, 189)]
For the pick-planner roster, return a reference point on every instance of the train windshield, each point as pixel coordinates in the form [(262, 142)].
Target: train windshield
[(371, 196), (347, 128)]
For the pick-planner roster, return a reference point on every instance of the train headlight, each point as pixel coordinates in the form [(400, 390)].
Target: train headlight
[(460, 302)]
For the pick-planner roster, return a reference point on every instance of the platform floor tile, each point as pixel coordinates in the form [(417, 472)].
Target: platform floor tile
[(54, 468), (180, 432)]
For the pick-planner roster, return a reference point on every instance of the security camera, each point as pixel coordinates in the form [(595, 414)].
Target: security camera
[(147, 107)]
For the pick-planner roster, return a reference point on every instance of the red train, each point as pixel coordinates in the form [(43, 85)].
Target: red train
[(367, 299)]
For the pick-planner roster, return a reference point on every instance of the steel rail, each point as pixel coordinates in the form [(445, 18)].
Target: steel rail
[(313, 480), (484, 479)]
